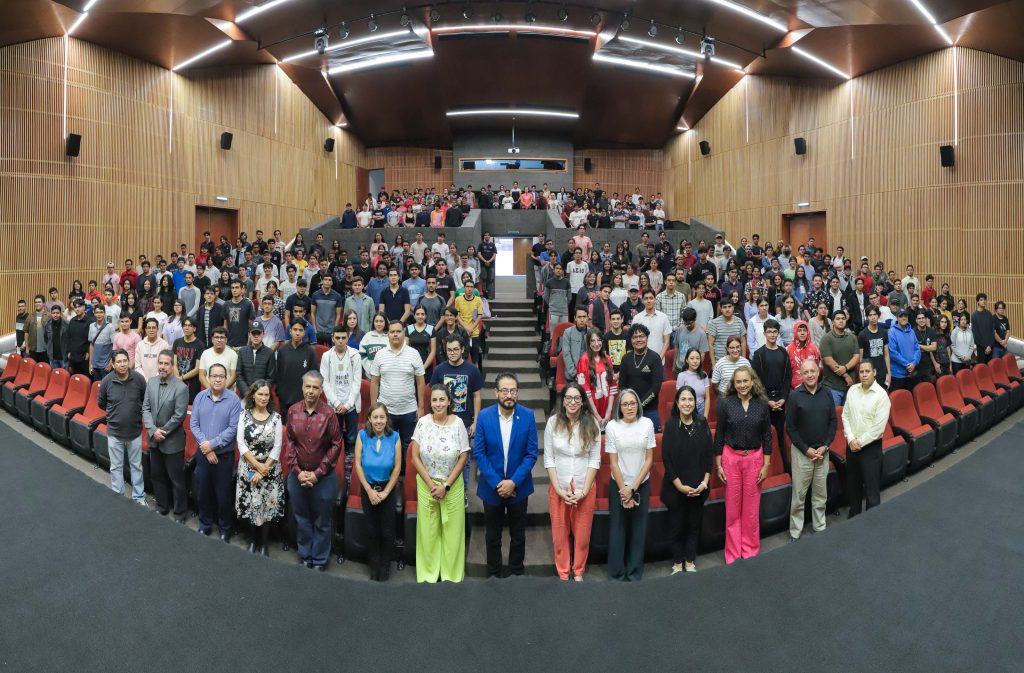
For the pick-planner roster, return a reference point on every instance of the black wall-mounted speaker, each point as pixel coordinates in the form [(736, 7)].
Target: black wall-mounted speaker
[(329, 145), (588, 165), (73, 145), (225, 140), (946, 156), (705, 148), (800, 144), (437, 162)]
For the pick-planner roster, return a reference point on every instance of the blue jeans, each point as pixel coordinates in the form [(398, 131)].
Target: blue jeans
[(314, 509), (998, 352), (118, 449), (57, 364), (653, 415), (838, 397)]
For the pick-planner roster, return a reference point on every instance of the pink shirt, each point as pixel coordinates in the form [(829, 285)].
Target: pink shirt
[(128, 342)]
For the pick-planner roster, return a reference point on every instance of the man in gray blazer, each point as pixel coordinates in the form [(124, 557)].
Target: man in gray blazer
[(163, 413)]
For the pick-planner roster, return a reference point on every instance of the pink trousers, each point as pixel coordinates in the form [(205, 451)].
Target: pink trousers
[(742, 503)]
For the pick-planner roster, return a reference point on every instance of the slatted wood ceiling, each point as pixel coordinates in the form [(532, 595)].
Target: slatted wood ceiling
[(872, 164), (150, 154)]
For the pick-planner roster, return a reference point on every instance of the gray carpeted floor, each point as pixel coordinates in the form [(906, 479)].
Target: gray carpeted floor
[(931, 581)]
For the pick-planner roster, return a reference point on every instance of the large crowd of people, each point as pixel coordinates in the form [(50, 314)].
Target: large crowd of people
[(768, 339)]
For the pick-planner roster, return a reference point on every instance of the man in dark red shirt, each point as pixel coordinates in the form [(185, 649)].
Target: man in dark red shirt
[(313, 444)]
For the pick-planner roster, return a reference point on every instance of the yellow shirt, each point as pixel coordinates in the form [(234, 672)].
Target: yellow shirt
[(470, 312), (865, 413)]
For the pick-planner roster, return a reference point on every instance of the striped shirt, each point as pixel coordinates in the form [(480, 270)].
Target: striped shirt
[(721, 375), (397, 372), (720, 331)]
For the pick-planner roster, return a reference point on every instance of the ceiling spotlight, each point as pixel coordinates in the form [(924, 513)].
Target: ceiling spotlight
[(497, 17), (679, 36), (405, 18), (653, 29), (707, 47), (435, 15), (320, 40), (595, 18), (563, 14), (467, 13), (530, 16), (624, 24), (372, 24)]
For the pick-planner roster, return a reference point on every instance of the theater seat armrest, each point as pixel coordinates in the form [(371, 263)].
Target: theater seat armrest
[(1004, 386), (73, 411), (48, 404), (1017, 379), (904, 433), (951, 410), (836, 459), (990, 393), (971, 400), (95, 423), (35, 394), (22, 386), (930, 422)]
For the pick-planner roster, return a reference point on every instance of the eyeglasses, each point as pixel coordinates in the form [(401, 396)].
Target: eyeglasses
[(630, 403), (573, 399), (508, 391)]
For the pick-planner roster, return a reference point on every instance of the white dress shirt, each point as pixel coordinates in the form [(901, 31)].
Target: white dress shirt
[(865, 413), (564, 452), (505, 425)]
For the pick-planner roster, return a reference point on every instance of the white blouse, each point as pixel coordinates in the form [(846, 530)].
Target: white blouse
[(631, 441), (571, 460)]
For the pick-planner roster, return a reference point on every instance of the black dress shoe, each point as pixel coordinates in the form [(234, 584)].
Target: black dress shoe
[(265, 551), (252, 549), (205, 532), (322, 568), (162, 512), (225, 537), (180, 520)]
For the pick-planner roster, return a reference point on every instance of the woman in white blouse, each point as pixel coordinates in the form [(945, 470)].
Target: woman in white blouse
[(259, 493), (438, 448), (629, 442), (572, 456)]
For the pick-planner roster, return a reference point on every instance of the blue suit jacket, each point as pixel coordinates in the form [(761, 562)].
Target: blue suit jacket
[(490, 456)]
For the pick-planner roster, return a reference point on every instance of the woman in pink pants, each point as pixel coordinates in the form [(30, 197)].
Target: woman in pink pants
[(743, 448)]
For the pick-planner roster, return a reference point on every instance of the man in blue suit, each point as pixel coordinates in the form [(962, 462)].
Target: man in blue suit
[(505, 448)]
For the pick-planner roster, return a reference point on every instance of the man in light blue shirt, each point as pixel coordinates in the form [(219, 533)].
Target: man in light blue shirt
[(214, 424)]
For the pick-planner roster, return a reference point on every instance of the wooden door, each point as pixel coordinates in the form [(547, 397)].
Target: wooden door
[(798, 228), (218, 221), (362, 187), (521, 248)]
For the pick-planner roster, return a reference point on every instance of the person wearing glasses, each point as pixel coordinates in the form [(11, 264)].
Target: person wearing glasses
[(505, 449), (629, 442), (572, 456), (214, 424)]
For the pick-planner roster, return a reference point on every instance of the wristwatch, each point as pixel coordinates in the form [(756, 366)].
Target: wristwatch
[(447, 487)]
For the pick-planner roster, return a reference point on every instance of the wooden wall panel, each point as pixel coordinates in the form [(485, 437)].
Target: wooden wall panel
[(620, 171), (411, 168), (150, 154), (872, 164)]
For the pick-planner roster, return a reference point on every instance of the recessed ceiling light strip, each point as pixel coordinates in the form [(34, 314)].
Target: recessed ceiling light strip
[(640, 65)]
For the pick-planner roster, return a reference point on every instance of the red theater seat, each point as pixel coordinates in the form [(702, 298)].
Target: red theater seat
[(776, 493), (60, 414), (54, 393), (319, 349), (944, 424), (81, 426), (21, 380), (666, 398), (1003, 381), (36, 387), (967, 415), (987, 386), (560, 374), (906, 423), (556, 336), (1012, 370), (11, 370), (364, 401), (670, 358), (985, 405), (894, 457)]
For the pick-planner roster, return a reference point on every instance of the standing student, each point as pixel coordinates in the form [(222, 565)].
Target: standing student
[(465, 383), (438, 450), (259, 487), (771, 363), (743, 447), (596, 376), (378, 462), (77, 339), (256, 361), (904, 352), (864, 417), (961, 342), (396, 380), (120, 396), (811, 424), (629, 442), (983, 326), (293, 361), (341, 369), (686, 453), (164, 407), (214, 425), (101, 344), (572, 456), (505, 449), (874, 345), (313, 444), (187, 353), (643, 372), (840, 353)]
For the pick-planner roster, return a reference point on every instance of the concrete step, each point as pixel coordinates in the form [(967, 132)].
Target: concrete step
[(520, 331), (535, 398), (508, 311), (517, 337), (502, 351), (526, 379), (512, 320), (499, 361)]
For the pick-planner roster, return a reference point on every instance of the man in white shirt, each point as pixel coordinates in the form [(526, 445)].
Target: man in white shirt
[(656, 322), (440, 247), (342, 369), (704, 308), (865, 412), (364, 217), (417, 248), (396, 380)]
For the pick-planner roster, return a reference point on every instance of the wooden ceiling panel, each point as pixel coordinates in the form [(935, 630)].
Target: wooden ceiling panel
[(27, 20)]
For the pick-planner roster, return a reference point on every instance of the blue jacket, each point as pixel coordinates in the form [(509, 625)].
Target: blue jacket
[(490, 456), (903, 350)]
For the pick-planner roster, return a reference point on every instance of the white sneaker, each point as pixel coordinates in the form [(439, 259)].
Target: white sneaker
[(690, 568), (676, 570)]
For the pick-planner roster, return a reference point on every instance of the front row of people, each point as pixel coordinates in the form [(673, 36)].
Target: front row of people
[(505, 447)]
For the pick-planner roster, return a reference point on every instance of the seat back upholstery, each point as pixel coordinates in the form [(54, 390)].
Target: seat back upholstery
[(25, 372), (998, 370), (902, 412), (364, 401), (983, 376), (556, 336), (40, 377), (670, 359), (13, 365), (927, 401), (666, 398), (319, 351), (838, 445), (92, 408), (1010, 362), (968, 384), (77, 395), (57, 385), (948, 391)]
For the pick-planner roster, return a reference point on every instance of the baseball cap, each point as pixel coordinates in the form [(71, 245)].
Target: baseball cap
[(633, 288), (257, 326), (901, 312)]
